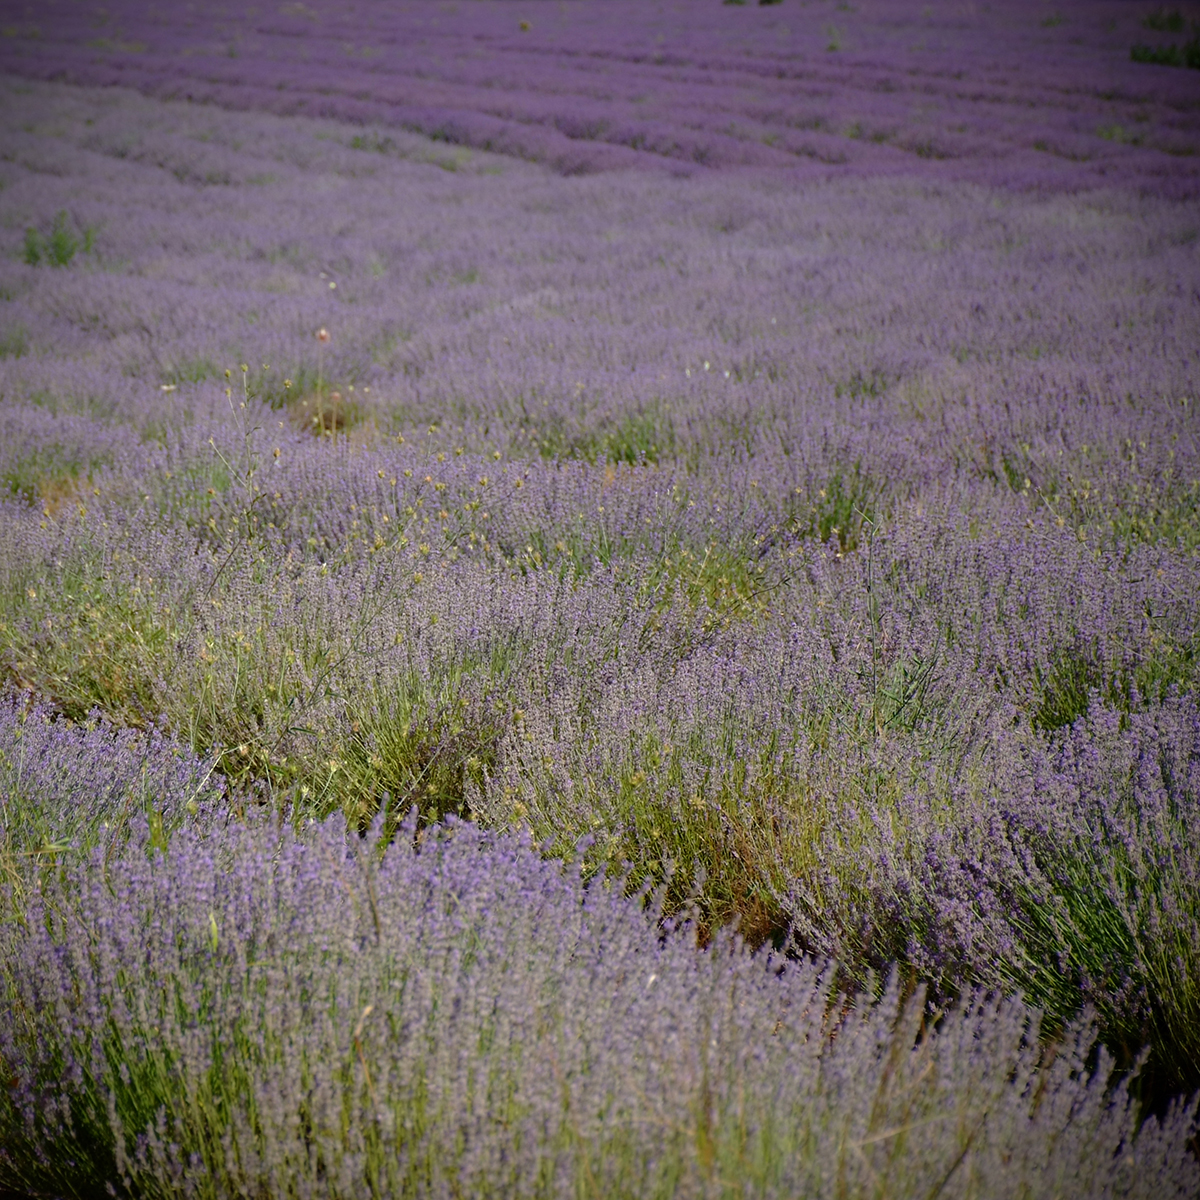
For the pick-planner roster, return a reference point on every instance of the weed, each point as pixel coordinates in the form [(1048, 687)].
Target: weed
[(837, 510), (860, 385), (58, 247), (1164, 20), (48, 475), (14, 342), (635, 439), (191, 370), (325, 415), (1187, 55), (374, 142)]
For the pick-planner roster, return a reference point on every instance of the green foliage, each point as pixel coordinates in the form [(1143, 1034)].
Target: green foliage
[(642, 437), (1164, 21), (191, 370), (902, 695), (87, 642), (1094, 928), (1164, 508), (419, 745), (327, 413), (1118, 133), (716, 848), (869, 385), (1065, 689), (48, 475), (1075, 677), (14, 342), (58, 247), (373, 142), (848, 501), (1187, 55)]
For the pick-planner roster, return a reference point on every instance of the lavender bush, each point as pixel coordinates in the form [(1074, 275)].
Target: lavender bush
[(803, 531), (271, 1015), (66, 788)]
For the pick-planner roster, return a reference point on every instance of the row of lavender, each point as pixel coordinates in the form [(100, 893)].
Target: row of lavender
[(231, 1010), (823, 561), (1020, 94)]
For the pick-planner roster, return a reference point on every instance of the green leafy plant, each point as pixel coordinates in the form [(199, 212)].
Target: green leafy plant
[(1187, 55), (14, 342), (1166, 22), (59, 247)]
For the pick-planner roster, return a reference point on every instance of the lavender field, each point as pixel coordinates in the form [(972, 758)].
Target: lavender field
[(599, 599)]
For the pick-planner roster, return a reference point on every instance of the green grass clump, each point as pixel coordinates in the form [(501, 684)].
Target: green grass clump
[(191, 370), (1075, 676), (1164, 20), (14, 341), (52, 478), (1187, 55), (633, 440), (843, 508), (59, 247)]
